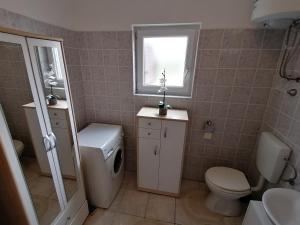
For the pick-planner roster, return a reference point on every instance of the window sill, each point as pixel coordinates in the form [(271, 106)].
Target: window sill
[(160, 96)]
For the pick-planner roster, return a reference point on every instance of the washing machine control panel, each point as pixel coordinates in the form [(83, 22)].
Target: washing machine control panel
[(107, 152)]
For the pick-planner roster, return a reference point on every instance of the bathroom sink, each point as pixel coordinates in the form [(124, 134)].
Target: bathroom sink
[(282, 206)]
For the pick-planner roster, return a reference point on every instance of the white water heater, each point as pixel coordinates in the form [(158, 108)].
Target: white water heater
[(276, 13)]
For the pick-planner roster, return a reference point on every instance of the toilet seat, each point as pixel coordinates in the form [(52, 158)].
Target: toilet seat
[(19, 146), (226, 193), (228, 180)]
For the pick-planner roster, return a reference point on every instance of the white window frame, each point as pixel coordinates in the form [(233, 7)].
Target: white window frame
[(140, 32)]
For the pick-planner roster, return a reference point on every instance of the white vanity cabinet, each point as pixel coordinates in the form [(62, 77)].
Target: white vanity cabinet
[(161, 141), (61, 128)]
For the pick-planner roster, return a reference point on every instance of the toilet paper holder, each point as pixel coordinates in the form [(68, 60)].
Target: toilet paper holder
[(209, 127)]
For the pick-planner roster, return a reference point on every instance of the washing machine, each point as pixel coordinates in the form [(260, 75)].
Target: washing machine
[(102, 159)]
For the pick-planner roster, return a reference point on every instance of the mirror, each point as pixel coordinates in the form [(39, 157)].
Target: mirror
[(50, 65), (51, 74), (15, 94)]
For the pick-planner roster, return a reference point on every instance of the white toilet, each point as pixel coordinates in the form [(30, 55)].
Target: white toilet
[(227, 185), (19, 146)]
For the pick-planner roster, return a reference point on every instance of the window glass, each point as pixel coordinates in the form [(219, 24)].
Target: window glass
[(164, 53)]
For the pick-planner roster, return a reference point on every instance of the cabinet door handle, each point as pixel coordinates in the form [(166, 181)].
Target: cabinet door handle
[(47, 143), (155, 150), (149, 124), (53, 140), (165, 133)]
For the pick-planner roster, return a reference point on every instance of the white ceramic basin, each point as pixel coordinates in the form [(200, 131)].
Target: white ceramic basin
[(282, 206)]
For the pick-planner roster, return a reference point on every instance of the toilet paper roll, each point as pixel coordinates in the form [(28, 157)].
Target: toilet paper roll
[(207, 136)]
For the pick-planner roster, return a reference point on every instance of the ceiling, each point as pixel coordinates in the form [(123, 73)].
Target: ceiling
[(95, 15)]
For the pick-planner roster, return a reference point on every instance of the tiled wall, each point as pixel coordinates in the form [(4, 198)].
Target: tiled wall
[(232, 84), (106, 62), (71, 47), (234, 76), (15, 92), (235, 70), (282, 115)]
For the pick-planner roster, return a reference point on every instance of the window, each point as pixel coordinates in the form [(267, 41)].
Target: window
[(172, 48), (57, 67), (50, 66)]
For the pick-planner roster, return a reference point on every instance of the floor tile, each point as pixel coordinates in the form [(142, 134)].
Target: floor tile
[(130, 181), (132, 207), (116, 202), (233, 220), (43, 186), (124, 219), (191, 209), (133, 202), (100, 217), (53, 196), (40, 204), (52, 212), (161, 208), (70, 187), (46, 209), (106, 217), (188, 185), (151, 222), (30, 169), (42, 191)]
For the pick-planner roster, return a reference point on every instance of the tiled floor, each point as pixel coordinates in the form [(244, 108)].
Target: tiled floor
[(42, 191), (132, 207)]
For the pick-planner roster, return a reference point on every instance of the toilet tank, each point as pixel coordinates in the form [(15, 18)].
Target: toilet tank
[(271, 155)]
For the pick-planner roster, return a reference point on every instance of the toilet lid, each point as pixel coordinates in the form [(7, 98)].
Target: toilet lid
[(227, 178)]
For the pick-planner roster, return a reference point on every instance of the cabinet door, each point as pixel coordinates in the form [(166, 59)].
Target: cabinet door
[(171, 155), (53, 87), (148, 163)]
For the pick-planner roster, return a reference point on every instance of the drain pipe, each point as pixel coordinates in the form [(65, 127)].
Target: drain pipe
[(259, 185)]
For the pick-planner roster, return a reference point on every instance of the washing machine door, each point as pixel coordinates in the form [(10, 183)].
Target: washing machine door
[(118, 161)]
